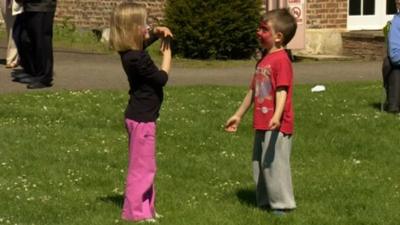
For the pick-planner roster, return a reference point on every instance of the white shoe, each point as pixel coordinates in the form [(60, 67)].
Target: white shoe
[(159, 216), (151, 220)]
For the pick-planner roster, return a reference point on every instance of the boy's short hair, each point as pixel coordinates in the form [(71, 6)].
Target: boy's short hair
[(283, 21)]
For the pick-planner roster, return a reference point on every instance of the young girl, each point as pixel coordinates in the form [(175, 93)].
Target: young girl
[(129, 35)]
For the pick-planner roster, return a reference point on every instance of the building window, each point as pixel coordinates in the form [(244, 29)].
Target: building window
[(390, 7), (355, 7), (362, 7), (369, 7)]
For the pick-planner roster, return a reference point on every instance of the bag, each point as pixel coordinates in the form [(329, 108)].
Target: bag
[(386, 30)]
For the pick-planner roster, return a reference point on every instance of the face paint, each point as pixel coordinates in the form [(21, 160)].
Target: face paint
[(264, 34)]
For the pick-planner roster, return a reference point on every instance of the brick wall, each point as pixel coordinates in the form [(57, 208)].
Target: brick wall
[(95, 14), (326, 14), (321, 14), (368, 45)]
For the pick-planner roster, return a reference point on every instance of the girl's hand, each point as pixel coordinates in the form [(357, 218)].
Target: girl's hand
[(232, 124), (167, 53), (165, 45), (163, 32)]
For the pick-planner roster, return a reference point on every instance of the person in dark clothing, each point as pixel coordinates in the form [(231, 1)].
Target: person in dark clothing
[(34, 39)]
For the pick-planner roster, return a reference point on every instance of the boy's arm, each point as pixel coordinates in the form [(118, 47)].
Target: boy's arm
[(281, 94), (232, 124)]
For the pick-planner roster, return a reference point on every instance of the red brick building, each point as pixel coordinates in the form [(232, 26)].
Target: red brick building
[(349, 27)]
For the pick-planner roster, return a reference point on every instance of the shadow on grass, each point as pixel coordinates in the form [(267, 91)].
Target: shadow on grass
[(118, 200), (247, 197)]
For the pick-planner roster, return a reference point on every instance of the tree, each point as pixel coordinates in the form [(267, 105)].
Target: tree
[(220, 29)]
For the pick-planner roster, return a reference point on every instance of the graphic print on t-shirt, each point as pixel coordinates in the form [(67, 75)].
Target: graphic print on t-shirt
[(262, 84)]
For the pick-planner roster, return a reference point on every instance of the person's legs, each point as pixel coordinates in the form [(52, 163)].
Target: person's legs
[(40, 33), (47, 46), (386, 69), (276, 170), (393, 104), (23, 43), (139, 190), (9, 19), (258, 153)]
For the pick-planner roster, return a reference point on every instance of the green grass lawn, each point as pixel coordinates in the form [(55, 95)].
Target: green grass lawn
[(63, 158)]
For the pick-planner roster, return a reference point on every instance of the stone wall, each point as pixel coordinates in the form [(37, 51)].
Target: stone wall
[(95, 14)]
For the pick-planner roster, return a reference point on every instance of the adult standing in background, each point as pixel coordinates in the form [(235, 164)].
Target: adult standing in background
[(36, 49), (391, 66), (9, 9)]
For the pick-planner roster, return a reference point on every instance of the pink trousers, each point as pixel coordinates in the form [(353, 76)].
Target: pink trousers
[(139, 190)]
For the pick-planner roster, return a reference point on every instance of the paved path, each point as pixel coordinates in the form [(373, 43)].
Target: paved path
[(77, 71)]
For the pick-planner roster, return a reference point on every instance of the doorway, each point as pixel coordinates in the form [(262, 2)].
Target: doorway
[(369, 14)]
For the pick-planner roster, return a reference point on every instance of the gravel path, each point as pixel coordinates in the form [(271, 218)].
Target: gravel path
[(77, 71)]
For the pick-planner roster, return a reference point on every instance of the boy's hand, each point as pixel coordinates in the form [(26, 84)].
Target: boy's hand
[(274, 123), (232, 124)]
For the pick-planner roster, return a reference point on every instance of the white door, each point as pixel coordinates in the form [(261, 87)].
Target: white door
[(369, 14)]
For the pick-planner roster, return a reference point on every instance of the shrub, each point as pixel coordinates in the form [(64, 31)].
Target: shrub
[(205, 29)]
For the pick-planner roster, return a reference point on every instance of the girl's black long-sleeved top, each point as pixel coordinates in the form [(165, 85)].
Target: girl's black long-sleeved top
[(146, 83)]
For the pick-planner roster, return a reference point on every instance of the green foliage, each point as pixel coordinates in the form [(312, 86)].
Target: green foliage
[(214, 28)]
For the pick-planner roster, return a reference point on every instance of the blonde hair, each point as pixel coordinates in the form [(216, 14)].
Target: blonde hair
[(127, 25)]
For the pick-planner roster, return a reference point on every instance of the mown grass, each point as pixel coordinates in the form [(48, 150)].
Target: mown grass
[(63, 158)]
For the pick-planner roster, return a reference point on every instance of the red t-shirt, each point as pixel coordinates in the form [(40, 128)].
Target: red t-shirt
[(273, 71)]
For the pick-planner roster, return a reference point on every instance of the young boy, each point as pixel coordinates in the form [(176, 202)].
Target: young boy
[(271, 92)]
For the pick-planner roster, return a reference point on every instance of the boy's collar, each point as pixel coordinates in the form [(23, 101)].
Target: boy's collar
[(275, 50)]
